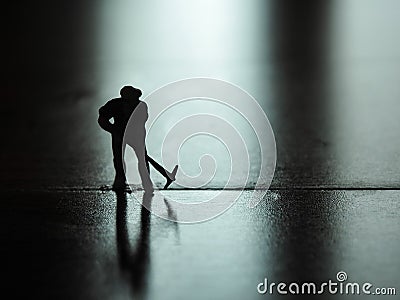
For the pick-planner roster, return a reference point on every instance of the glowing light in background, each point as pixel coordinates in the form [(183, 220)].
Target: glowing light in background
[(365, 51), (153, 43)]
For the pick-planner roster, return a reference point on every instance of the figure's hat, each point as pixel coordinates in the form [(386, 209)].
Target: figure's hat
[(129, 92)]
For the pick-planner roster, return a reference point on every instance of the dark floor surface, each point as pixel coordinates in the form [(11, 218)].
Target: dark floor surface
[(325, 74)]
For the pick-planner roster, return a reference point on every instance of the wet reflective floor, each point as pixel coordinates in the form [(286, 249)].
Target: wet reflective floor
[(326, 75), (95, 245)]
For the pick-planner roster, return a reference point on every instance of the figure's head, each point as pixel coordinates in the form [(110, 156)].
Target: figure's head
[(129, 92)]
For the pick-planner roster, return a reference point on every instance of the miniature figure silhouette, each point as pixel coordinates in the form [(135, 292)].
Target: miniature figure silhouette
[(121, 109)]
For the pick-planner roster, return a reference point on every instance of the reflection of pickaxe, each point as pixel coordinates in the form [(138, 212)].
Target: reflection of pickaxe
[(170, 176)]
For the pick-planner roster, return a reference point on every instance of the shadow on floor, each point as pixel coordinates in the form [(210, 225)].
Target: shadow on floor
[(133, 261)]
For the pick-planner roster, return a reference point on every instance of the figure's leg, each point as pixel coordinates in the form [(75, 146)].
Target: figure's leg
[(118, 150), (143, 172)]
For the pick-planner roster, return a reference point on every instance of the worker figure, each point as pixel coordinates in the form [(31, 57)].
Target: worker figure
[(120, 110)]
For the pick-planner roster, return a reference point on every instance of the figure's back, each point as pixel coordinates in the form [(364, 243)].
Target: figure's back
[(135, 129), (124, 111)]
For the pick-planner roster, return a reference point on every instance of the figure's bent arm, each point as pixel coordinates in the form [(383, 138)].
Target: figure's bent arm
[(104, 120), (105, 123)]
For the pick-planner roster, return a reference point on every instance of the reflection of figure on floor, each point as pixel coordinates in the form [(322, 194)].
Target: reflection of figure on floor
[(173, 216), (121, 109), (133, 262)]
